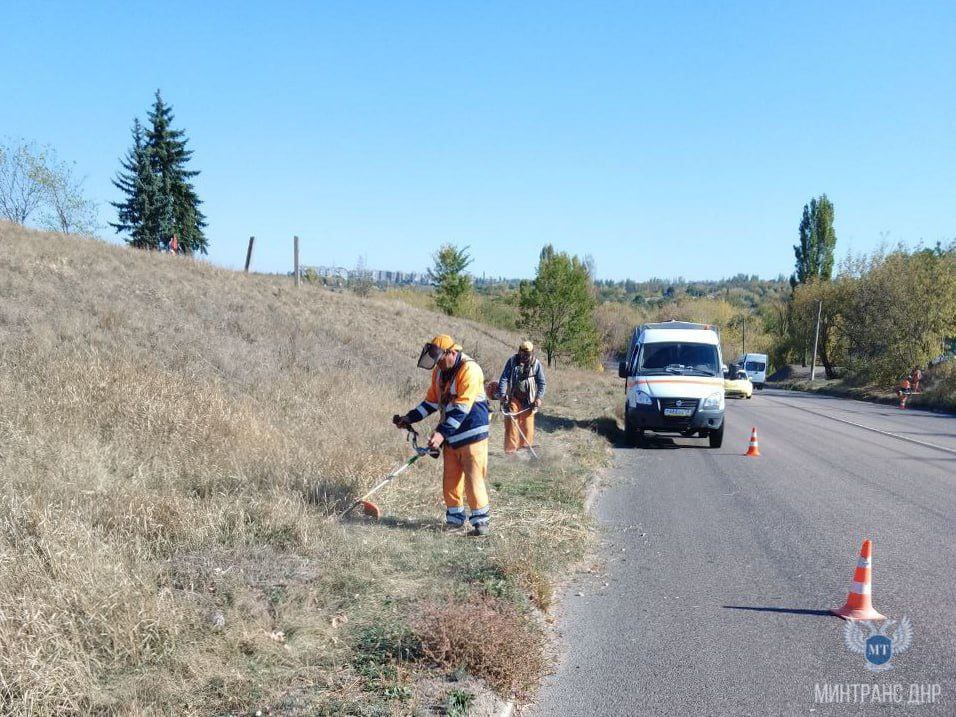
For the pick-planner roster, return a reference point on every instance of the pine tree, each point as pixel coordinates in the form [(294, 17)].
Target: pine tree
[(137, 214), (168, 157)]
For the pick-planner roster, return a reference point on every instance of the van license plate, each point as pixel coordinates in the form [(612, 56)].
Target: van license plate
[(678, 411)]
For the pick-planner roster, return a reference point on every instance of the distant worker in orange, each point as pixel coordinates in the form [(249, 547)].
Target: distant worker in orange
[(916, 378), (521, 387), (904, 391)]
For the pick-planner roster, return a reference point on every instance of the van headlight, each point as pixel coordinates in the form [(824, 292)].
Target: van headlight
[(714, 402), (643, 399)]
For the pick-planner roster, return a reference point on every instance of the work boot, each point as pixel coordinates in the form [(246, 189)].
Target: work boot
[(480, 531)]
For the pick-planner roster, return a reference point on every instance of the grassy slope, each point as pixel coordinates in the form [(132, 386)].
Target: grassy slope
[(173, 441)]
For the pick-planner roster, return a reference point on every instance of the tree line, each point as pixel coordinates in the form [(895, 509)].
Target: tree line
[(880, 314), (556, 308)]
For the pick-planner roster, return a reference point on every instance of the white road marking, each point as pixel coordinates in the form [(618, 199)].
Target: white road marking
[(866, 428)]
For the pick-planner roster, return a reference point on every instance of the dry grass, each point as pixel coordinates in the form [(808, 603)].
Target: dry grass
[(487, 637), (173, 441)]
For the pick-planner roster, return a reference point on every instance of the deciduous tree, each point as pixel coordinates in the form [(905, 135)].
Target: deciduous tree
[(453, 286), (814, 253), (899, 313), (22, 175), (65, 207), (557, 309)]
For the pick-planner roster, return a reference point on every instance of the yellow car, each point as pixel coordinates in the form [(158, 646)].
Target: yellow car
[(737, 383)]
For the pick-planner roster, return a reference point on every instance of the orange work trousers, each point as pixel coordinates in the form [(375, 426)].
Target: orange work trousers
[(513, 439), (465, 471)]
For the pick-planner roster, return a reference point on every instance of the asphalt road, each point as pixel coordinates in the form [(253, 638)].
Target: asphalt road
[(715, 570)]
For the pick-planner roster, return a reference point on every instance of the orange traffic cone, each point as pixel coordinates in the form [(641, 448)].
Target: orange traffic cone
[(754, 448), (859, 605)]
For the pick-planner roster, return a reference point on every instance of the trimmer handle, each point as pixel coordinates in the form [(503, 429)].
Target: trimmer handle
[(413, 439)]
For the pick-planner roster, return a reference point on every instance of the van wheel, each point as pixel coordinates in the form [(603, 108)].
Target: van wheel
[(716, 438), (633, 436)]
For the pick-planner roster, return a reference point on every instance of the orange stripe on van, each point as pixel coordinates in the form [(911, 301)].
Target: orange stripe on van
[(704, 382)]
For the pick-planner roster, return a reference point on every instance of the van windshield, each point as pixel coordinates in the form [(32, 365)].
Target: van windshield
[(677, 358)]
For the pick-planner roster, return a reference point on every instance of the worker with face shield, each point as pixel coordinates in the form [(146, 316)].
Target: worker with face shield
[(457, 392)]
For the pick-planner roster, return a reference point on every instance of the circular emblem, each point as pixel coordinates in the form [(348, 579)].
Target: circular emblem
[(879, 649), (679, 402)]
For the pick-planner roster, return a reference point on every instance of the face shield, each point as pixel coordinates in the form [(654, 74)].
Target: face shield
[(429, 356)]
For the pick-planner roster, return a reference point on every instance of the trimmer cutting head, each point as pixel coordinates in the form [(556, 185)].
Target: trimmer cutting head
[(371, 510), (368, 507)]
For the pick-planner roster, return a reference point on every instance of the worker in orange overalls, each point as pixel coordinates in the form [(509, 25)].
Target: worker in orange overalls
[(904, 391), (457, 391), (916, 379), (521, 387)]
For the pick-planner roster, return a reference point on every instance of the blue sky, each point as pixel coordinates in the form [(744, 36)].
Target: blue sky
[(663, 139)]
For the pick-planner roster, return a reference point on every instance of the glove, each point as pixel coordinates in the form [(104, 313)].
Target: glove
[(401, 421), (435, 441)]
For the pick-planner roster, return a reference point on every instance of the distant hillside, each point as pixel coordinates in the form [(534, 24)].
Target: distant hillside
[(741, 290)]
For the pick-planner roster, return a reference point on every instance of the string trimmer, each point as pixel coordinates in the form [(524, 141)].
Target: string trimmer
[(368, 507)]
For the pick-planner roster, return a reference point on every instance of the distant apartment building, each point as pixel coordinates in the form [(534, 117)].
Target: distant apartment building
[(399, 278)]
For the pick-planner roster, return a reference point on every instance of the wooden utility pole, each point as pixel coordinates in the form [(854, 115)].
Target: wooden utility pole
[(816, 341), (295, 257), (249, 253)]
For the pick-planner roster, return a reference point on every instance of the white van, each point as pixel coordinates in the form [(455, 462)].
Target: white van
[(674, 381), (756, 367)]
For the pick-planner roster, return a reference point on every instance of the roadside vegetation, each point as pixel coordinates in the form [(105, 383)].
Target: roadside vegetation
[(37, 186), (176, 441), (939, 387), (881, 314)]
